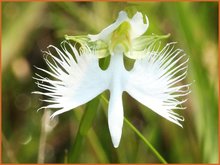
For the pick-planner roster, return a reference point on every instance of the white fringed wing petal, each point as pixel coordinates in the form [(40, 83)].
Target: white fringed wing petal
[(77, 81), (154, 81)]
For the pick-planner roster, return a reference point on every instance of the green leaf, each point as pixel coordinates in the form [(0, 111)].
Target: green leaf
[(85, 125)]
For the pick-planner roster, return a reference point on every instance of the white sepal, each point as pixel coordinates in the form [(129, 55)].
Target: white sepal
[(138, 27), (105, 33)]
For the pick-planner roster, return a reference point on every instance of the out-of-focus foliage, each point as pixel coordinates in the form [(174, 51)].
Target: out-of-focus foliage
[(29, 27)]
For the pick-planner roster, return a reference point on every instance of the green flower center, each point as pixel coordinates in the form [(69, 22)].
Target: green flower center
[(118, 42), (120, 39)]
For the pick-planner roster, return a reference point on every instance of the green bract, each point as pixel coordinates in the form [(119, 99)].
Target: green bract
[(120, 39), (124, 35)]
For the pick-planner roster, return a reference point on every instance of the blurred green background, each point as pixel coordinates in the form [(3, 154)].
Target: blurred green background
[(29, 27)]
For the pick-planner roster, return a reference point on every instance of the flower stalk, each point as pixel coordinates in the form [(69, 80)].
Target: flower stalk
[(157, 154)]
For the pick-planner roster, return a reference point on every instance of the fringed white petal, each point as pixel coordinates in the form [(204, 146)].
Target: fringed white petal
[(74, 82), (154, 81), (77, 82)]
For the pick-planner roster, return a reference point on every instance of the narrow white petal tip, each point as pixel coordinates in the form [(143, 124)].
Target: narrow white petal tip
[(122, 15), (115, 116), (178, 123), (116, 136), (40, 109), (147, 22), (116, 132), (116, 144), (53, 115)]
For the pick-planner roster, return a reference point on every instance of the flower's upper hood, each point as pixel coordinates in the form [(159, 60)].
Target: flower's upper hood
[(120, 35), (125, 35), (138, 27)]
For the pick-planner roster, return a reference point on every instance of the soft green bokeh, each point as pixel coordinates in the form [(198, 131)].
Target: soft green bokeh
[(29, 27)]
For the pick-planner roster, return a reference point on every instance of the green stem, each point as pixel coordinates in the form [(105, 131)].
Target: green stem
[(85, 125), (145, 141)]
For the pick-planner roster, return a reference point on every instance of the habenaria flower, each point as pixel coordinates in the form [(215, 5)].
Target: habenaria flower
[(154, 80)]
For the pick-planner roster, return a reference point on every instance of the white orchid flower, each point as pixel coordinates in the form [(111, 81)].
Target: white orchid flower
[(153, 81)]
